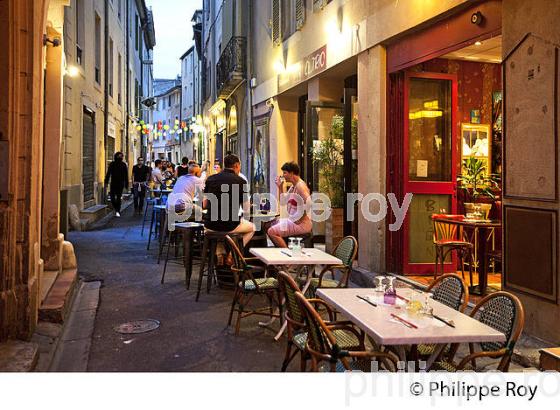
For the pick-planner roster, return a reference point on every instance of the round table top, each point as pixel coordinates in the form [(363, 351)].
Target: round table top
[(476, 223)]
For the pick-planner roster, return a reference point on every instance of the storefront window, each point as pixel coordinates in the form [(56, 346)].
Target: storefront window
[(429, 130)]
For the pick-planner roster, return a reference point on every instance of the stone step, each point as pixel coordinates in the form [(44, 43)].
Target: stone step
[(58, 301), (47, 282), (18, 356), (94, 213)]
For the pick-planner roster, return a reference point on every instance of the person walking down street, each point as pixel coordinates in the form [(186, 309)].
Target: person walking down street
[(182, 169), (140, 177), (117, 174)]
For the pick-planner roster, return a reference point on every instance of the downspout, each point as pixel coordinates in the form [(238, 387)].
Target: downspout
[(106, 85), (250, 92), (141, 113), (127, 67)]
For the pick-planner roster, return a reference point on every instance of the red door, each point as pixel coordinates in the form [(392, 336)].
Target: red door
[(430, 153)]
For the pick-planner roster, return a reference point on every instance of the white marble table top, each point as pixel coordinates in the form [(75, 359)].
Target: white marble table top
[(378, 323), (310, 256)]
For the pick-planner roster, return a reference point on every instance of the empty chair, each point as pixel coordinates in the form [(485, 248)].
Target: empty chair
[(324, 347), (501, 311), (452, 291), (297, 330), (247, 287), (446, 241), (346, 250)]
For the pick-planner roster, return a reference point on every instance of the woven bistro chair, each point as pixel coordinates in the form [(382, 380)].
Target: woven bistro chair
[(323, 346), (297, 330), (346, 250), (446, 241), (501, 311), (452, 291), (247, 286)]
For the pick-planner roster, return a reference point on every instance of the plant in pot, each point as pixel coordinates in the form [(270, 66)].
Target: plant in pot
[(478, 185), (328, 153)]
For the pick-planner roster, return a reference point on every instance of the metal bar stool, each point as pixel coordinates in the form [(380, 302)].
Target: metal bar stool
[(155, 223), (187, 231), (150, 200), (210, 244)]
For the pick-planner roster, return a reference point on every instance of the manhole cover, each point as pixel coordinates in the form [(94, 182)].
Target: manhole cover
[(137, 326)]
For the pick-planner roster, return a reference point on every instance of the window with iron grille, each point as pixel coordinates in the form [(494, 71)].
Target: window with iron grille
[(300, 13), (318, 5), (276, 22), (80, 34), (97, 49)]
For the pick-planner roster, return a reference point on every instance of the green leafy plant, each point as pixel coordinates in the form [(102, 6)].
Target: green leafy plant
[(476, 181), (329, 155)]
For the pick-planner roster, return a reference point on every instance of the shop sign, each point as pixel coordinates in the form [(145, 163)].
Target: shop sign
[(313, 64)]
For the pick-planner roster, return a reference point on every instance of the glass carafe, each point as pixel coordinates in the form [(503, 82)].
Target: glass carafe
[(390, 295)]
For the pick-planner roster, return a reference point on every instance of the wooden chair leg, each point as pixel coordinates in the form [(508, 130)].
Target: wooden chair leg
[(462, 262), (303, 362), (233, 303), (240, 309), (289, 356), (471, 264), (436, 263)]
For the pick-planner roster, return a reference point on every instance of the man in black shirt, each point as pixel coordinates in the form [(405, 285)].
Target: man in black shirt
[(224, 195), (140, 176), (117, 173)]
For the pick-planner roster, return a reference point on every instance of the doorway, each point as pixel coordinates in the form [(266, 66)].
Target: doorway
[(88, 156), (430, 154)]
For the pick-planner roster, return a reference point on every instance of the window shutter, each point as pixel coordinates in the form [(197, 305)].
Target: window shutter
[(300, 14), (276, 22), (319, 4)]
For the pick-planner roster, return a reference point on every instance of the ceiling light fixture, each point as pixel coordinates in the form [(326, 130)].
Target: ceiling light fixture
[(478, 43)]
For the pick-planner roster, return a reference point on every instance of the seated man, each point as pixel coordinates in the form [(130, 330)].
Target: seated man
[(298, 222), (186, 191), (223, 196)]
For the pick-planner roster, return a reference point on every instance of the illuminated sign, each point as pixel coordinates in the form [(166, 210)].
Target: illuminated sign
[(295, 73)]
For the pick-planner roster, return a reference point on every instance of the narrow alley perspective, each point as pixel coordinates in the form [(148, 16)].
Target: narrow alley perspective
[(192, 336), (334, 203)]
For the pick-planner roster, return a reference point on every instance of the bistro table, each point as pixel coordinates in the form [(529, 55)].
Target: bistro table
[(381, 327), (260, 218), (283, 257), (481, 230)]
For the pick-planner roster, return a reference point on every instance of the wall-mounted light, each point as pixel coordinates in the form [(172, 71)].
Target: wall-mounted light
[(72, 71), (279, 67), (478, 43)]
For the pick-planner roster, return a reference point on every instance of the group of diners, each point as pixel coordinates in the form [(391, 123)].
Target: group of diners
[(223, 198)]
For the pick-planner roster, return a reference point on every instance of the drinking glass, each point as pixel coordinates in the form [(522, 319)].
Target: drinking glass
[(379, 287), (291, 243), (296, 250)]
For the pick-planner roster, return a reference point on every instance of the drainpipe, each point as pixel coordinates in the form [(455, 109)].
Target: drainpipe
[(127, 65), (106, 83), (249, 97)]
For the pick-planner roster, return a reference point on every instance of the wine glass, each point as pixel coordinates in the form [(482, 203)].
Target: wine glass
[(379, 287)]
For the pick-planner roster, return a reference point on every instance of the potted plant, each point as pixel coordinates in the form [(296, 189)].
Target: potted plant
[(328, 153), (478, 184)]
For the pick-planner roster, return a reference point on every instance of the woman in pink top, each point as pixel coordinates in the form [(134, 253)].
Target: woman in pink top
[(297, 222)]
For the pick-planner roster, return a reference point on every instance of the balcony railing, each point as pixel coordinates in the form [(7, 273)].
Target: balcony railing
[(231, 67)]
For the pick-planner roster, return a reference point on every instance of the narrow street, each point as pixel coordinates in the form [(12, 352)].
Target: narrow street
[(192, 336)]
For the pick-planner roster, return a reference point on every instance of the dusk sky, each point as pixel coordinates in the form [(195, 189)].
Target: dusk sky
[(174, 36)]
